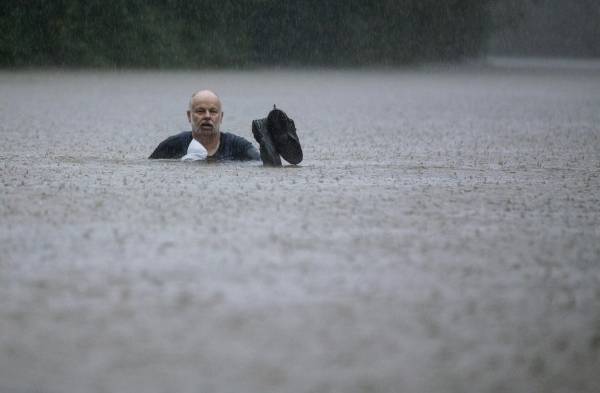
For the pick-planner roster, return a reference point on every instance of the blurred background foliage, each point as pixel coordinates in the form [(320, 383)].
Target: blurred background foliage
[(234, 33), (546, 28)]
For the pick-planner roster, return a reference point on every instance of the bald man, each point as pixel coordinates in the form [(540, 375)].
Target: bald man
[(205, 116)]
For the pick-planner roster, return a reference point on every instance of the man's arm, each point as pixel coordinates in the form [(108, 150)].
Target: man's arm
[(242, 149), (252, 153)]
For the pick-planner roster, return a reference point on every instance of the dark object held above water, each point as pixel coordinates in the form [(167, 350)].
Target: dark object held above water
[(276, 135)]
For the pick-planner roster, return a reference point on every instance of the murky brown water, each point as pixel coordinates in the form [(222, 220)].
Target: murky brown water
[(441, 235)]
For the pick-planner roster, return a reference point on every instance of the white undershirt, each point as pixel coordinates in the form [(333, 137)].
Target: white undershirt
[(195, 152)]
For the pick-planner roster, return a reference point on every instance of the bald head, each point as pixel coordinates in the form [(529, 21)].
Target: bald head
[(204, 95)]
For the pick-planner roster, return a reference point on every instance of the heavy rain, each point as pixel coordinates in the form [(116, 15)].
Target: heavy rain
[(441, 233)]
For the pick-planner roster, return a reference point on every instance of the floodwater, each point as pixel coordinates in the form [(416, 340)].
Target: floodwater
[(441, 235)]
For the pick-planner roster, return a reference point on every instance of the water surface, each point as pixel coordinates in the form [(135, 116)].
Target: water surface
[(440, 235)]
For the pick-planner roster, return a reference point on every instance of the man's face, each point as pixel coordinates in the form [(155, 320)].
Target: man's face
[(205, 114)]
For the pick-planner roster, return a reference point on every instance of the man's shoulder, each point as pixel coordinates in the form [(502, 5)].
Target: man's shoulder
[(235, 147), (182, 136), (233, 137), (174, 146)]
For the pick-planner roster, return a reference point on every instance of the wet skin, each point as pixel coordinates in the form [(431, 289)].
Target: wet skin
[(205, 117)]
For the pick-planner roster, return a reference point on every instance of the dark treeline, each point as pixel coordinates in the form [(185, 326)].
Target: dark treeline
[(233, 33), (546, 28)]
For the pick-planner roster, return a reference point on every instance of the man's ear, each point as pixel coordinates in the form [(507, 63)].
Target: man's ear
[(222, 115), (189, 116)]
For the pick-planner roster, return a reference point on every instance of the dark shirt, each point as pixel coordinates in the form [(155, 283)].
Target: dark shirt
[(231, 147)]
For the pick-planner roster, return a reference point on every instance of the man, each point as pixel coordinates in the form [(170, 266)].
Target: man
[(275, 134)]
